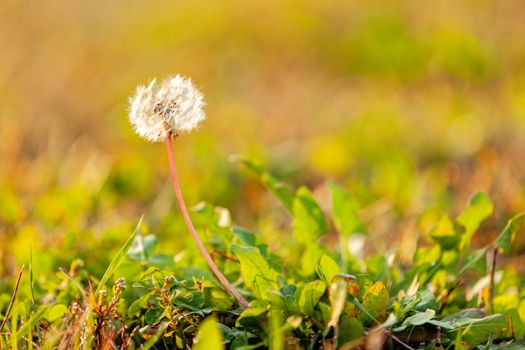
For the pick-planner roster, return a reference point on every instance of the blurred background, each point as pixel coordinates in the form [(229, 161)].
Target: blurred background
[(410, 106)]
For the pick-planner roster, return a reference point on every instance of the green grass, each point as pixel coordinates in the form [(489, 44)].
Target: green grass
[(316, 291)]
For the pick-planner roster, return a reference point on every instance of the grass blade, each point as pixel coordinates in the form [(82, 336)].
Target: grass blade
[(119, 258), (31, 285), (29, 324)]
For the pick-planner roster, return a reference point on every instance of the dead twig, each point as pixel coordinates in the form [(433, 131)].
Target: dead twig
[(405, 345), (224, 255), (12, 301)]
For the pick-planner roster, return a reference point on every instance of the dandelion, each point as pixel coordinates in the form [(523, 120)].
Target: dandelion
[(172, 107), (160, 112)]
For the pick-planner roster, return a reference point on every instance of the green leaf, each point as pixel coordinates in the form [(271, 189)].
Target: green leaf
[(477, 261), (118, 259), (325, 311), (445, 235), (276, 187), (253, 315), (477, 331), (15, 313), (216, 297), (418, 319), (276, 333), (344, 211), (327, 269), (464, 314), (243, 341), (427, 300), (310, 295), (255, 270), (310, 258), (55, 312), (35, 318), (505, 238), (478, 209), (153, 314), (139, 303), (365, 312), (209, 336), (375, 300), (190, 299), (247, 237), (350, 329), (308, 218), (405, 305), (441, 324), (288, 291)]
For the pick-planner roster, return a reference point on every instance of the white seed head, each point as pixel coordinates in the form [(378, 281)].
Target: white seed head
[(174, 106)]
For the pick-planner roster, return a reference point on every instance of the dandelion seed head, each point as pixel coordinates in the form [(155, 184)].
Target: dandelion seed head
[(173, 106)]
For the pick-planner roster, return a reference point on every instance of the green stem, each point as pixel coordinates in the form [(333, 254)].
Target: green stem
[(180, 199)]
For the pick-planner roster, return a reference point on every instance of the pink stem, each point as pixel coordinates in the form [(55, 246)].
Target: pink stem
[(178, 193)]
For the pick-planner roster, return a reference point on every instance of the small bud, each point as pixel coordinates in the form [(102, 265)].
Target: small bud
[(121, 283), (168, 281), (75, 307)]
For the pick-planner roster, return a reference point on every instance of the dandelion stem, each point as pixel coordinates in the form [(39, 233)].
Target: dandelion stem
[(180, 199)]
